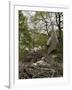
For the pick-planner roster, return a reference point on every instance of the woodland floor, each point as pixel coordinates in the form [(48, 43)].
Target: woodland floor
[(40, 65)]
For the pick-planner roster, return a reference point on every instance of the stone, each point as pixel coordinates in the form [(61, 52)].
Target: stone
[(33, 64), (52, 42), (40, 63), (43, 58)]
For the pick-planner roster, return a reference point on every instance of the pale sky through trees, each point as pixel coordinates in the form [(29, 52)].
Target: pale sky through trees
[(40, 25), (28, 14)]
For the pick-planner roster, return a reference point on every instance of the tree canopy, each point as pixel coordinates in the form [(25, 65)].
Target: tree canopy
[(35, 28)]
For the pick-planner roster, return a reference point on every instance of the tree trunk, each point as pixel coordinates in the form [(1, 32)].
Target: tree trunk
[(46, 28)]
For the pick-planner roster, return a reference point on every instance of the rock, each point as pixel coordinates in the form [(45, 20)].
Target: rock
[(54, 56), (36, 49), (52, 42), (41, 69), (43, 58), (33, 65), (32, 56), (40, 63), (27, 49), (21, 67)]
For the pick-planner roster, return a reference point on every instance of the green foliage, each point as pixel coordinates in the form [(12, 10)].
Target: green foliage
[(33, 37), (29, 38), (41, 20), (24, 36), (40, 16), (38, 39)]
